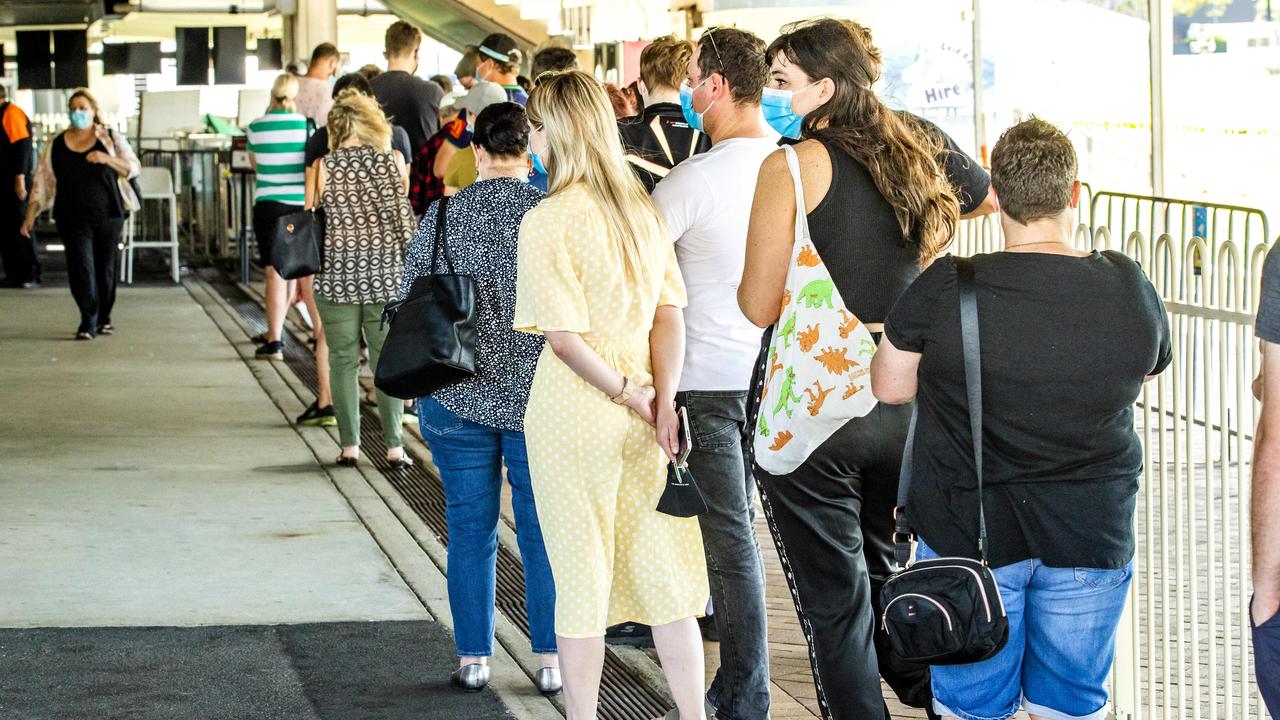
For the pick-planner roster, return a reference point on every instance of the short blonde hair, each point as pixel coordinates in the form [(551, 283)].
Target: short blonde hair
[(283, 92), (664, 63), (357, 115)]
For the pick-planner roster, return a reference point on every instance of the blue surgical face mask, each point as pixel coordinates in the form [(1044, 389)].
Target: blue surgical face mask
[(776, 105), (691, 116), (537, 162), (81, 119)]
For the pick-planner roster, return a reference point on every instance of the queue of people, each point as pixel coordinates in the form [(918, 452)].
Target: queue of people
[(637, 286), (760, 250)]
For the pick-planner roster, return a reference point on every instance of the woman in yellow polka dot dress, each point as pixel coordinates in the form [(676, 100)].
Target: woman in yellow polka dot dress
[(597, 275)]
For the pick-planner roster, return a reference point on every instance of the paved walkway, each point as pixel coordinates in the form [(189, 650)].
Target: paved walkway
[(170, 546)]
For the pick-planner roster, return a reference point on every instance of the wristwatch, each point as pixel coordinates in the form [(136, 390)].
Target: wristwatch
[(625, 394)]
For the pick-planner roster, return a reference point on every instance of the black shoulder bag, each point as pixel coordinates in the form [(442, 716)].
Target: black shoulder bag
[(297, 251), (432, 340), (946, 610)]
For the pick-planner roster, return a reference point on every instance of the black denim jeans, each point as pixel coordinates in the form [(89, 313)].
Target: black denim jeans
[(832, 522), (91, 251), (718, 462), (17, 252)]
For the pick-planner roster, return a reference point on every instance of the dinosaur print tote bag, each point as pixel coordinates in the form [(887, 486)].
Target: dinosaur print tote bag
[(818, 368)]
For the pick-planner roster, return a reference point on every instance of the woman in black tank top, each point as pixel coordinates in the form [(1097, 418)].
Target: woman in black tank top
[(882, 193)]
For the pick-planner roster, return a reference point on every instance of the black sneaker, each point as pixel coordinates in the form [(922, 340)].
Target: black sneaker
[(316, 416), (630, 633), (270, 351)]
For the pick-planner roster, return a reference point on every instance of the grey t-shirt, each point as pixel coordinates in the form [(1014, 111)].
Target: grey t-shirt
[(1267, 326), (410, 102)]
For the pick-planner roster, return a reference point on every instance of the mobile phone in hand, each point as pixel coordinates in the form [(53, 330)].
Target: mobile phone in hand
[(686, 443)]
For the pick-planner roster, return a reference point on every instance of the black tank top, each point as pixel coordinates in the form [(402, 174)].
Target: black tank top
[(859, 237), (85, 191)]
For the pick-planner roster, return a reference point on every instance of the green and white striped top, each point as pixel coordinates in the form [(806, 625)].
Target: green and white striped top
[(278, 141)]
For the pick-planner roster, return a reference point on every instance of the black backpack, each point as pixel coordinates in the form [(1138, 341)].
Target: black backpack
[(946, 610)]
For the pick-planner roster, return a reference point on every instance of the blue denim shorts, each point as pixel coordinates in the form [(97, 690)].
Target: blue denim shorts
[(1062, 633)]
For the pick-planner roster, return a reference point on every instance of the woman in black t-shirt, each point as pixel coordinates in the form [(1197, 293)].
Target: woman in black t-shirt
[(1067, 339), (80, 177), (882, 193)]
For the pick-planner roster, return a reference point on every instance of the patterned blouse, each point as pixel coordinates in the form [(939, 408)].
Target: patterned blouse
[(367, 225), (482, 225)]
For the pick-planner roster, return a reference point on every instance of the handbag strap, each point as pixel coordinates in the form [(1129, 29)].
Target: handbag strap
[(439, 245), (902, 533)]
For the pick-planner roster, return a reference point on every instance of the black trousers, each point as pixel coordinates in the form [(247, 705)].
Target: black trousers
[(91, 249), (17, 252), (832, 521)]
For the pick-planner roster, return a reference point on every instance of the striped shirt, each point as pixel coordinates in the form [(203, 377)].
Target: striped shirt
[(278, 141)]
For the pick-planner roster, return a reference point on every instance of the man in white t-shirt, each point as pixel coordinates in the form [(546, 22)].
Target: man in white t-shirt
[(706, 203)]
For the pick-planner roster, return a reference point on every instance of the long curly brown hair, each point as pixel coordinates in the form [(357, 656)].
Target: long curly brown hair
[(901, 153)]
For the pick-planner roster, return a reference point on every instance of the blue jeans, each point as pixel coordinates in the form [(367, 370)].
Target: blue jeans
[(1266, 660), (469, 457), (1062, 636), (717, 421)]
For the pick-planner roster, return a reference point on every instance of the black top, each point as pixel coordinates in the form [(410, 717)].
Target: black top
[(482, 226), (1066, 345), (86, 192), (639, 137), (318, 145), (410, 102), (858, 235), (1267, 326), (16, 157)]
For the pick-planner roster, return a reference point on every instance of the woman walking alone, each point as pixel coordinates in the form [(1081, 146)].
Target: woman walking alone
[(80, 177), (363, 187), (598, 277)]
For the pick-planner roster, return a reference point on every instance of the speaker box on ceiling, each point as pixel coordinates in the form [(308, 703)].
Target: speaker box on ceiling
[(193, 55), (70, 59), (270, 54), (115, 58), (35, 61), (228, 55)]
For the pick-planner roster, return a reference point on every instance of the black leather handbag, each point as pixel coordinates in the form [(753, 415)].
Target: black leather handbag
[(296, 252), (432, 340), (946, 610)]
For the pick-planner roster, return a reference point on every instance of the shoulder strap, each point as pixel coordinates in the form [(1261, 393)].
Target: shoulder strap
[(438, 244), (902, 533), (793, 163)]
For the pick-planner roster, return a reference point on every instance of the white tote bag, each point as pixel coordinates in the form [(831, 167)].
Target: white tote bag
[(818, 375)]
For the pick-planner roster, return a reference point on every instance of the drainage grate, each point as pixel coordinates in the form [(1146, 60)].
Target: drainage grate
[(622, 695)]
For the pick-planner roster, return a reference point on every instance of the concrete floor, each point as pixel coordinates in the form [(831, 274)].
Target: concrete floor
[(146, 479)]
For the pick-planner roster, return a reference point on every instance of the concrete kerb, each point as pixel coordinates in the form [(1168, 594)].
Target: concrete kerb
[(408, 543)]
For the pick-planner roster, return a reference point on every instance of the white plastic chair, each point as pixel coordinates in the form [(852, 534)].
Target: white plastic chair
[(157, 185)]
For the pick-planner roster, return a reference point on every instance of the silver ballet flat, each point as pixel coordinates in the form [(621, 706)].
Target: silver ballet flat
[(471, 678), (548, 681)]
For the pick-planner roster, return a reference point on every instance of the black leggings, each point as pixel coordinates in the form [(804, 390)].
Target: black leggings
[(832, 521), (91, 250)]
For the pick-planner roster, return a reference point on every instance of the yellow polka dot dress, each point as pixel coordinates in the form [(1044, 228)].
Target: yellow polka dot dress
[(596, 467)]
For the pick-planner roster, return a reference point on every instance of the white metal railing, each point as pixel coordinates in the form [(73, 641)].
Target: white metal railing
[(1183, 649)]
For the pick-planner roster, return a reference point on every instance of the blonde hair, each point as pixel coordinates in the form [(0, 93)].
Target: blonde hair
[(283, 92), (583, 147), (355, 114)]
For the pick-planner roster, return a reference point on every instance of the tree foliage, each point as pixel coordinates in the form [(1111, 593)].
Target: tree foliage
[(1191, 7)]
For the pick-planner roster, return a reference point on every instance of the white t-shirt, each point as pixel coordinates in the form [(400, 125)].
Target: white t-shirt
[(706, 203)]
